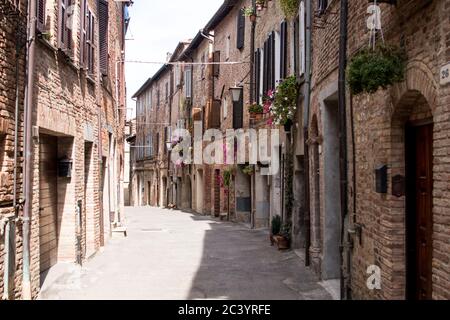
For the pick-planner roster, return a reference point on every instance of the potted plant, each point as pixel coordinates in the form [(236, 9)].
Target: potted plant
[(275, 228), (284, 103), (283, 240), (290, 7), (249, 12), (374, 68), (256, 111), (260, 4)]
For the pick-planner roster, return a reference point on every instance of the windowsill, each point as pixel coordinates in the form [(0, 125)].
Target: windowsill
[(46, 43), (90, 79)]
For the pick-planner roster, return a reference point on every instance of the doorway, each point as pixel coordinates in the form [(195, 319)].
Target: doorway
[(48, 201), (419, 210)]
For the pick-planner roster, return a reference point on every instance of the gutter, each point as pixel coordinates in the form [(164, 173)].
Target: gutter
[(29, 146)]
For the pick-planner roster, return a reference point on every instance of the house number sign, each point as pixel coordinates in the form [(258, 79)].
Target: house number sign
[(444, 75)]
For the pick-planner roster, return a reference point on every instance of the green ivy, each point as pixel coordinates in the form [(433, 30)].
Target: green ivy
[(290, 7), (226, 178), (276, 225), (372, 69)]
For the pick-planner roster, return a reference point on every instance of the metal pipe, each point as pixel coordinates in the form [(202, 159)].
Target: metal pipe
[(343, 132), (307, 94), (28, 174), (252, 100)]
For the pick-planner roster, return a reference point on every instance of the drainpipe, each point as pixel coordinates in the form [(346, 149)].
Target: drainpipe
[(307, 94), (252, 100), (343, 137), (28, 173)]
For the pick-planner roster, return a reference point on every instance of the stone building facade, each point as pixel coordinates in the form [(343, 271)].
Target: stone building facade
[(77, 134), (396, 137), (13, 22), (402, 230)]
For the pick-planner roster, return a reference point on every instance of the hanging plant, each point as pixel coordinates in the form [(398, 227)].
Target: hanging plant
[(285, 101), (248, 11), (371, 69), (290, 7)]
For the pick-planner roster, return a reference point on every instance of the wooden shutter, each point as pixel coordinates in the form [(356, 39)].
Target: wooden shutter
[(62, 24), (283, 49), (215, 114), (272, 61), (188, 83), (83, 35), (257, 69), (240, 30), (238, 115), (296, 48), (265, 68), (90, 42), (216, 67), (103, 35), (302, 28), (41, 15)]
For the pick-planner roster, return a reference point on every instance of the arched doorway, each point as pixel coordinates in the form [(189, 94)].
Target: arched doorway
[(412, 125)]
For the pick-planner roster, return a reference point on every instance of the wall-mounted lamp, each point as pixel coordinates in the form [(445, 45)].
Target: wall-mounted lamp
[(236, 93)]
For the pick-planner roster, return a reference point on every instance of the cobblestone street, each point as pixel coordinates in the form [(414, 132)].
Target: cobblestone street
[(176, 255)]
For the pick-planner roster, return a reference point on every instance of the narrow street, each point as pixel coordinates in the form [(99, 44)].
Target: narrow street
[(171, 254)]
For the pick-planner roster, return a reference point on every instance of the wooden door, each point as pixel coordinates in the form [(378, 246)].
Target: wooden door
[(419, 211), (48, 231)]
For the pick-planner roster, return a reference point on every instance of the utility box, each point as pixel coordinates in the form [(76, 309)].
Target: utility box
[(381, 185), (65, 168)]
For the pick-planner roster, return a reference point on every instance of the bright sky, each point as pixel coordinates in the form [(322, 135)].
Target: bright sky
[(156, 27)]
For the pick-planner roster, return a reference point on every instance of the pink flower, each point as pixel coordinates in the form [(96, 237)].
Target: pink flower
[(270, 121)]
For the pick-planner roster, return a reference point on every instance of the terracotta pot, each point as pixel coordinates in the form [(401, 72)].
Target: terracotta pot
[(282, 242), (253, 18)]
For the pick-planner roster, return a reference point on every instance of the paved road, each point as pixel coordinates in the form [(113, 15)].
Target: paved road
[(177, 255)]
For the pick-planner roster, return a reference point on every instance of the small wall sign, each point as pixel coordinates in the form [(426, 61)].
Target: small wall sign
[(444, 75)]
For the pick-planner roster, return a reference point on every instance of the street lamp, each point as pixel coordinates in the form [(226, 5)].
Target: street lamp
[(236, 93)]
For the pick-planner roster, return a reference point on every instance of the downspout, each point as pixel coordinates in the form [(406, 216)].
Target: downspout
[(343, 137), (28, 173), (252, 100), (307, 95)]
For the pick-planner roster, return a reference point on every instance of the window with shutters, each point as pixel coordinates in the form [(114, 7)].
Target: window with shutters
[(202, 67), (215, 115), (83, 33), (158, 98), (90, 43), (283, 49), (277, 54), (65, 25), (103, 35), (41, 15), (167, 92), (301, 38), (188, 83), (240, 39), (216, 59)]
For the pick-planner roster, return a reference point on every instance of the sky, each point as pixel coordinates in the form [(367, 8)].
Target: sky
[(156, 27)]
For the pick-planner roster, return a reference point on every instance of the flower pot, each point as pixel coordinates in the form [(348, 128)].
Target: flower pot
[(288, 125), (282, 242), (252, 18)]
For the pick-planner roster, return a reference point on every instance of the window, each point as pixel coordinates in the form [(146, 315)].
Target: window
[(203, 59), (158, 98), (167, 92), (103, 35), (283, 49), (188, 83), (216, 59), (301, 38), (225, 108), (240, 39), (157, 144), (65, 25), (277, 54), (41, 15), (90, 36), (177, 76)]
